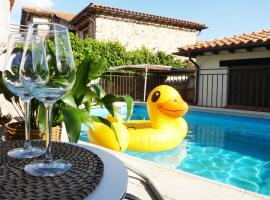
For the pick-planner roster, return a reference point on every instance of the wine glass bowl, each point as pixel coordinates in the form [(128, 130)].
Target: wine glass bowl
[(34, 69), (10, 73), (60, 61)]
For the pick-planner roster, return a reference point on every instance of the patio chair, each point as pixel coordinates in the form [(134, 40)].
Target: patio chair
[(147, 183)]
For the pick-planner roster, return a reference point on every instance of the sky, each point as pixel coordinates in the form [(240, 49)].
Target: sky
[(222, 17)]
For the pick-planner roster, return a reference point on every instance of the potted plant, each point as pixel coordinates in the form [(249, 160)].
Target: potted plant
[(72, 109)]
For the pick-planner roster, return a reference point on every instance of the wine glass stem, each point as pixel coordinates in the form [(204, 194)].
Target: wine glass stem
[(48, 154), (27, 143)]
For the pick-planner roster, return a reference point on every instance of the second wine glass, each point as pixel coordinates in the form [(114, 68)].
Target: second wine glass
[(61, 79), (12, 81)]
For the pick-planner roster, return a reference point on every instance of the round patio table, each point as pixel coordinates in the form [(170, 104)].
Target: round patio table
[(114, 182)]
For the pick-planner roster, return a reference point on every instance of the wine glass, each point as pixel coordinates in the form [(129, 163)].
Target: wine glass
[(12, 81), (61, 79)]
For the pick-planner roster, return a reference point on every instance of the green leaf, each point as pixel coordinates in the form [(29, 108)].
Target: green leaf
[(41, 116), (108, 101), (129, 101), (86, 119), (3, 90), (60, 80), (72, 122), (81, 80), (88, 95), (107, 123), (98, 90), (102, 120), (69, 100), (51, 58), (87, 106), (97, 68)]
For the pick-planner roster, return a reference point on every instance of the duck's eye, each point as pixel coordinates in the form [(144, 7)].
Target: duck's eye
[(155, 96)]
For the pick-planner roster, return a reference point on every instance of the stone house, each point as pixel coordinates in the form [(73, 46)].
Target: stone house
[(30, 15), (132, 29), (233, 72)]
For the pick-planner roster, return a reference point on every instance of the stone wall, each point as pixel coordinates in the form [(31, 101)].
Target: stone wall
[(134, 34)]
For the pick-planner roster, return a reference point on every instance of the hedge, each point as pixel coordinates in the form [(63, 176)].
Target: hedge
[(116, 54)]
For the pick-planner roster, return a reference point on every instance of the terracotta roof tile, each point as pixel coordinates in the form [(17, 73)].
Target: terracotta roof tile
[(94, 8), (246, 40), (40, 11), (11, 3)]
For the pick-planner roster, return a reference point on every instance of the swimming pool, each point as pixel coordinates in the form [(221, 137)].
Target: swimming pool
[(226, 148)]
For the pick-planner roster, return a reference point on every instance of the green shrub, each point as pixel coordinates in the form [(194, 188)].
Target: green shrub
[(116, 54)]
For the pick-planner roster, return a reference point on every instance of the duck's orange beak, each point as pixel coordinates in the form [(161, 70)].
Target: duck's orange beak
[(175, 107)]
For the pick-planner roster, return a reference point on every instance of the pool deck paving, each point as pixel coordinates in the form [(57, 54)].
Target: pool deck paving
[(174, 185)]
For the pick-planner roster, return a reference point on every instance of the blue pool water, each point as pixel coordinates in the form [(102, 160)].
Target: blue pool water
[(226, 148)]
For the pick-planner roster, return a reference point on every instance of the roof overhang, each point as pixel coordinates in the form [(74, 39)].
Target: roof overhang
[(230, 49), (246, 41), (11, 4), (95, 9), (37, 12)]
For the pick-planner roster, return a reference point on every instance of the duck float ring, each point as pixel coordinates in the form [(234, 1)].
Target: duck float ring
[(165, 129)]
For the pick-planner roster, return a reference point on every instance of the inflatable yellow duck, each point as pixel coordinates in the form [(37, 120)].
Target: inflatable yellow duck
[(165, 129)]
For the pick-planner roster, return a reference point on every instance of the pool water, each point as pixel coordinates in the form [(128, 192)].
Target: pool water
[(226, 148)]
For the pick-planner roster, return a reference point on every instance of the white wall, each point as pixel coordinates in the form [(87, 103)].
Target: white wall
[(210, 60), (5, 106), (4, 26), (218, 97)]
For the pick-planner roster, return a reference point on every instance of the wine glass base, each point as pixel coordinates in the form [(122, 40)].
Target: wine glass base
[(23, 152), (41, 168)]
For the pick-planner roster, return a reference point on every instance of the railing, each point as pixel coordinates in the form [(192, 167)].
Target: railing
[(250, 87), (212, 87), (124, 83), (14, 28), (238, 88), (245, 88)]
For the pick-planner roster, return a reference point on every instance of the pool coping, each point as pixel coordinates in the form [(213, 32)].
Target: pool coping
[(225, 111), (175, 184), (194, 176)]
